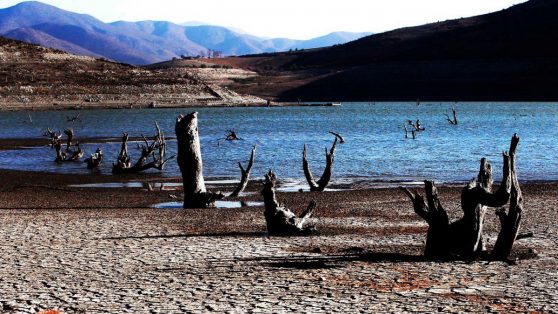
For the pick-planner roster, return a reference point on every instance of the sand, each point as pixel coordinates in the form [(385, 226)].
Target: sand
[(101, 250)]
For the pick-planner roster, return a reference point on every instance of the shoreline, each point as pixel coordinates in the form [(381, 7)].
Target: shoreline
[(116, 106), (14, 107)]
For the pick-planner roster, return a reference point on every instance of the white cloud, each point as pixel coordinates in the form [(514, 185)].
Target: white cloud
[(286, 18)]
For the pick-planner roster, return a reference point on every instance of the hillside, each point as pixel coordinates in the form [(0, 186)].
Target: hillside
[(507, 55), (141, 42), (34, 77)]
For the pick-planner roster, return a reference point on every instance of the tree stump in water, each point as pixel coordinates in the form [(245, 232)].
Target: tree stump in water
[(95, 160), (322, 183), (189, 160), (69, 154), (463, 238), (123, 162), (280, 220)]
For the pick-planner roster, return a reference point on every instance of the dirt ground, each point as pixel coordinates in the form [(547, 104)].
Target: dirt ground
[(105, 250)]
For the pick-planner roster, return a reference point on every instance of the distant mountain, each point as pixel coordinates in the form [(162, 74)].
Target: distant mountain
[(138, 42), (511, 54)]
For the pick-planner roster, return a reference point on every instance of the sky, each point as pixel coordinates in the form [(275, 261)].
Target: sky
[(296, 19)]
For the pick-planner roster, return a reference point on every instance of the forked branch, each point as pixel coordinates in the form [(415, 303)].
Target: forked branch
[(322, 183), (245, 174)]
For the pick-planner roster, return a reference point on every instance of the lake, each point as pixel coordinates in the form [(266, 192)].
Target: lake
[(375, 152)]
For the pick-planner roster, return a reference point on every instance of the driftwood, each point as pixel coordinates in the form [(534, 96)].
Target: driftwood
[(73, 152), (280, 220), (156, 150), (413, 132), (454, 120), (190, 162), (417, 126), (95, 160), (231, 136), (463, 238), (74, 118), (339, 136), (245, 174), (322, 183)]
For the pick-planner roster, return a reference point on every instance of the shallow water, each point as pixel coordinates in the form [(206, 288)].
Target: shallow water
[(375, 153), (218, 204)]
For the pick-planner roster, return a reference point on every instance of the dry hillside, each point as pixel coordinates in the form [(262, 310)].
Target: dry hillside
[(36, 77)]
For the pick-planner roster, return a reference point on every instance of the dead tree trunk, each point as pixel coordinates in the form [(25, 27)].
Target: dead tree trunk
[(156, 150), (95, 160), (280, 220), (463, 238), (70, 153), (511, 221), (190, 162), (245, 175), (321, 184), (454, 121)]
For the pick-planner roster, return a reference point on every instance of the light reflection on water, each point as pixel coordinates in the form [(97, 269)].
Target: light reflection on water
[(375, 151)]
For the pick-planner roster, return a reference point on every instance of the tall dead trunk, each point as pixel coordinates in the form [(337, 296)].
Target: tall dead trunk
[(280, 220), (322, 183), (245, 174), (463, 238), (511, 221), (189, 160)]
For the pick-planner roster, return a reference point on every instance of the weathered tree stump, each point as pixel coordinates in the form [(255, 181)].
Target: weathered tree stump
[(463, 238), (510, 221), (190, 162), (454, 120), (95, 160), (280, 220), (245, 174), (322, 183), (70, 153), (156, 150)]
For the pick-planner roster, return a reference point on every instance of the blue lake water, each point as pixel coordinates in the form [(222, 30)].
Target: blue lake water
[(375, 151)]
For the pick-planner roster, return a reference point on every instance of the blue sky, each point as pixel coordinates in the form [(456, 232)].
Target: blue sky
[(299, 19)]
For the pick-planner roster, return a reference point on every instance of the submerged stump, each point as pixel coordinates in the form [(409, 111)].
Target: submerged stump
[(156, 149)]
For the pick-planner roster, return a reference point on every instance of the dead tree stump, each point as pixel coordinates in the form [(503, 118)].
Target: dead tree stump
[(70, 153), (322, 183), (245, 174), (280, 220), (157, 150), (510, 221), (463, 238), (95, 160), (189, 160)]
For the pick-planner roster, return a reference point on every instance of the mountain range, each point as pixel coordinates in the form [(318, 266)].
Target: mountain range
[(511, 54), (141, 42)]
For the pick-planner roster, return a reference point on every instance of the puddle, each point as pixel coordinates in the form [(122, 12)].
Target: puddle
[(155, 185), (218, 204), (221, 182)]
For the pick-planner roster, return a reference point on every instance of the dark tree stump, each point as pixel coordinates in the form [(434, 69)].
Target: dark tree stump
[(463, 238), (157, 150), (280, 220)]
